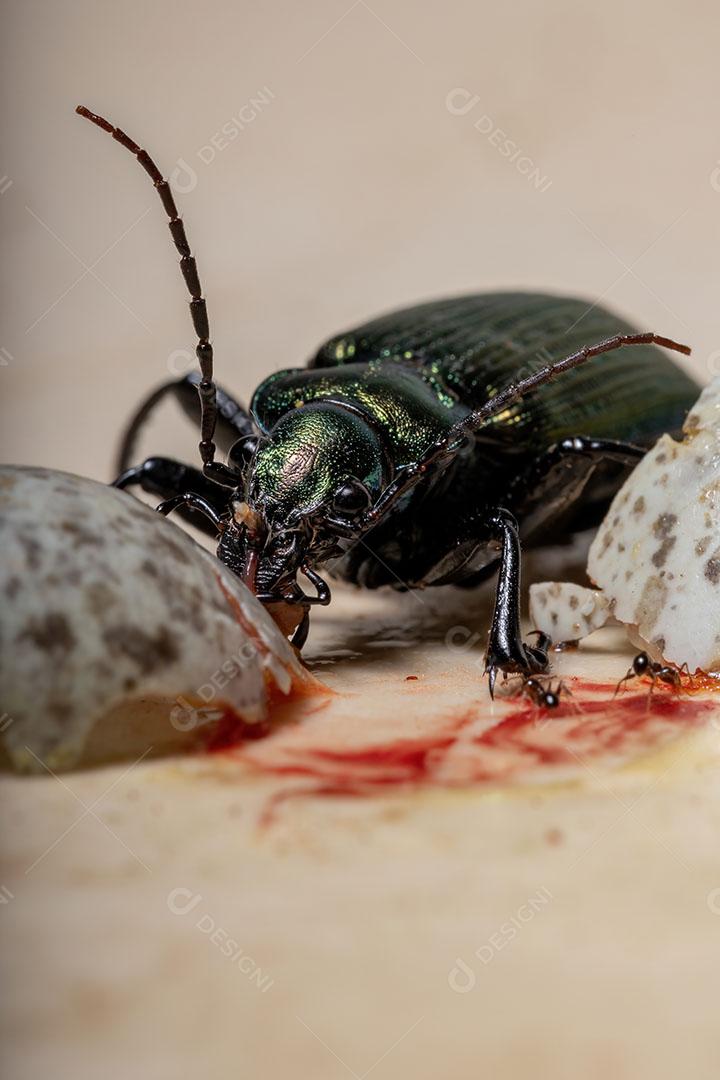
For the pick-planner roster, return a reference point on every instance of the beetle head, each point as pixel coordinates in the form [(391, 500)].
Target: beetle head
[(307, 487)]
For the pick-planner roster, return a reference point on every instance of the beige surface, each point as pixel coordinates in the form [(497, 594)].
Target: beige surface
[(355, 189), (564, 921)]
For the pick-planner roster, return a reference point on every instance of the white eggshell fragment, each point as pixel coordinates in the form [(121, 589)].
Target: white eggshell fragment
[(567, 612), (108, 609), (657, 554)]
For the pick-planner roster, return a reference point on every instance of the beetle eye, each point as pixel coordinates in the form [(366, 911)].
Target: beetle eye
[(242, 452), (351, 498)]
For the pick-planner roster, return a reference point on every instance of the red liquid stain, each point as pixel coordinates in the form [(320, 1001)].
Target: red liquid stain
[(332, 755), (700, 683), (230, 732)]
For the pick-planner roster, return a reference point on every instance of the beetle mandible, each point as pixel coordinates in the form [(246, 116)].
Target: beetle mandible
[(417, 449)]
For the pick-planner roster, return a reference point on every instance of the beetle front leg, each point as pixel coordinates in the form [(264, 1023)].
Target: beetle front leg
[(301, 633), (167, 478), (506, 651), (233, 421), (193, 502)]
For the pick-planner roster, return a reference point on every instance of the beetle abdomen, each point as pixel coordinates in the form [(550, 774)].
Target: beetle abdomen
[(475, 345)]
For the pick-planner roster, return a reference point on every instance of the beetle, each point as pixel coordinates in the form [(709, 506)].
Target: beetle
[(415, 450)]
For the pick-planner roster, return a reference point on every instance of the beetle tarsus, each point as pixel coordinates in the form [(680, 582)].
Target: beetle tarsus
[(233, 420), (191, 501), (324, 596), (301, 633), (522, 659)]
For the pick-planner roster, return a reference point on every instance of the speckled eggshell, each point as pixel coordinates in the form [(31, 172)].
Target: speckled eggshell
[(657, 554), (567, 612), (104, 602)]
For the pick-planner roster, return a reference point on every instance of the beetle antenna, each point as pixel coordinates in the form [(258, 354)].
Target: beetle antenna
[(514, 391), (198, 309), (446, 446)]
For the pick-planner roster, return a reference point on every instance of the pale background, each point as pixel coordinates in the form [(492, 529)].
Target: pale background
[(354, 190)]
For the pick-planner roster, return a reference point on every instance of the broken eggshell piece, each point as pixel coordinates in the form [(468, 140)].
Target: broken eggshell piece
[(107, 607), (656, 556), (565, 611)]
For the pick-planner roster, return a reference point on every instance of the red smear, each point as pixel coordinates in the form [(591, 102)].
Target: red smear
[(593, 725), (230, 731), (700, 683), (526, 744)]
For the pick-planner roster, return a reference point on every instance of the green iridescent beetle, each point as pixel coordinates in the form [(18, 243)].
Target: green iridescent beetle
[(417, 449)]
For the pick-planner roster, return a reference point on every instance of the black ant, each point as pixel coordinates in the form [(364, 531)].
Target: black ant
[(541, 694), (644, 665)]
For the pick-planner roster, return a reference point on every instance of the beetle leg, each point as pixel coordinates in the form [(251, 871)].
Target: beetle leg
[(324, 595), (506, 650), (557, 478), (592, 449), (167, 478), (578, 446), (301, 634), (193, 502), (233, 421), (544, 641)]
